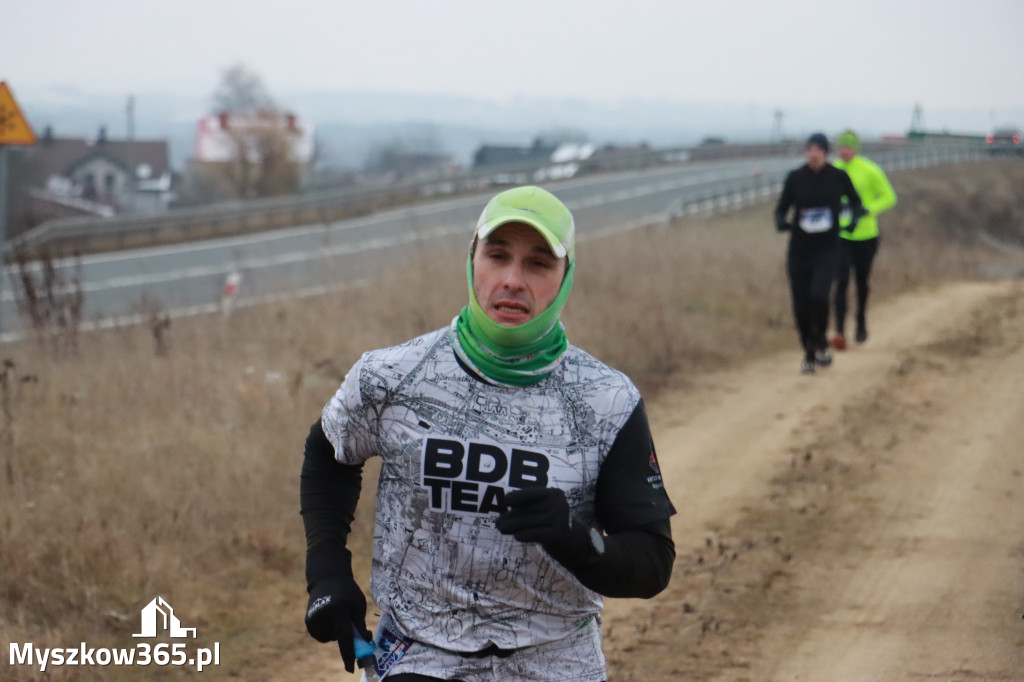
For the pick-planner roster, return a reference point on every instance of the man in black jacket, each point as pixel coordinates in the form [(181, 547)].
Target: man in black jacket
[(518, 482), (814, 192)]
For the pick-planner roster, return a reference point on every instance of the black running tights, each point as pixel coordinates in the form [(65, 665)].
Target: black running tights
[(857, 255), (810, 284)]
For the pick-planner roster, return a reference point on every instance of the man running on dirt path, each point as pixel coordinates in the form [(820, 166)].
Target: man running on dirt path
[(815, 192), (859, 245), (518, 479)]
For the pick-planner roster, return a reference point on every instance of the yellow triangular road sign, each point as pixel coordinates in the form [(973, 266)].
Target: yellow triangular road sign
[(14, 129)]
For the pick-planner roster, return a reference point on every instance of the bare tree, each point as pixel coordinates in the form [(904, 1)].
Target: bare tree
[(279, 173), (242, 92), (261, 135)]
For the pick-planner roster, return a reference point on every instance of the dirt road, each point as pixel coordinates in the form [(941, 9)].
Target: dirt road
[(864, 523)]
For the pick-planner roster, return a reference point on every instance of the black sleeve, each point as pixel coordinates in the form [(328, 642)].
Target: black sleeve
[(851, 193), (637, 563), (630, 492), (328, 495), (632, 506), (784, 203)]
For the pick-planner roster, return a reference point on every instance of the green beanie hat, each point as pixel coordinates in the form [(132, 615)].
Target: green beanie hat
[(848, 138)]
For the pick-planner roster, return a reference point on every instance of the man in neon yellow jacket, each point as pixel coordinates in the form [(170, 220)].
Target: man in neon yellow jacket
[(860, 244)]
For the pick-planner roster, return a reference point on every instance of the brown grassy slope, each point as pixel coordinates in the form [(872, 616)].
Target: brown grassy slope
[(127, 474)]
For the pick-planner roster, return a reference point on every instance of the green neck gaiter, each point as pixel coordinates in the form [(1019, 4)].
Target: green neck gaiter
[(515, 356)]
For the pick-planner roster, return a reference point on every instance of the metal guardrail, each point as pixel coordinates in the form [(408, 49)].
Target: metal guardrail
[(84, 235), (235, 217), (760, 187), (190, 279)]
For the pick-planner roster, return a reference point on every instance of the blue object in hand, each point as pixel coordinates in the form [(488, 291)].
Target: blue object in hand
[(364, 656)]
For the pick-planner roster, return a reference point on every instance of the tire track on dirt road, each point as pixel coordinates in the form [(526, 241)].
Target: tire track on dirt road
[(860, 524), (933, 590)]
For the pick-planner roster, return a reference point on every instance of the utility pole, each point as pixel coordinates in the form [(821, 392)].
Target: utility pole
[(776, 135), (133, 171), (917, 119), (3, 230), (130, 112), (3, 201)]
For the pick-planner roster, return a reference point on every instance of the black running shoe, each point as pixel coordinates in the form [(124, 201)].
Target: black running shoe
[(807, 366), (862, 334), (823, 357)]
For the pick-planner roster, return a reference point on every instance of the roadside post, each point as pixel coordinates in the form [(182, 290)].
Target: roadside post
[(14, 130)]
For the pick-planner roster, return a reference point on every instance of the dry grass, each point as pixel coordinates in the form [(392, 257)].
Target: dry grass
[(130, 474)]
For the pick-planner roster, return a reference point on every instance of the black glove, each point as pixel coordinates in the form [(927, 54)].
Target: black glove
[(336, 607), (782, 225), (857, 215), (542, 515)]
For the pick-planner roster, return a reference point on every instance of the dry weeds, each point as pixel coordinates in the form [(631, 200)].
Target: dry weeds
[(131, 473)]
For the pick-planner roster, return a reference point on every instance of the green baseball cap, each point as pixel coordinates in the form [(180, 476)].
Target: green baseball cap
[(537, 208), (848, 138)]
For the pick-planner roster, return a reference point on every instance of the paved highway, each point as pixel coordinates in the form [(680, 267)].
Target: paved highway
[(190, 278)]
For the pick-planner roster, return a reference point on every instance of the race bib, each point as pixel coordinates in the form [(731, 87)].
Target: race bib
[(814, 220), (389, 645)]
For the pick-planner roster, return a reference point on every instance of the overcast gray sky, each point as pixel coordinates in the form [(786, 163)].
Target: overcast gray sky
[(942, 53)]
